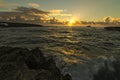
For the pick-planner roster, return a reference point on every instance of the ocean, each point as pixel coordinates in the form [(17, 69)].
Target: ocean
[(79, 51)]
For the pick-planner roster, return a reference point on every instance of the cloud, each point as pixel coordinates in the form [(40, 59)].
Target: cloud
[(30, 14), (111, 19), (34, 5), (107, 19), (116, 20), (23, 14), (4, 4), (58, 12), (30, 10)]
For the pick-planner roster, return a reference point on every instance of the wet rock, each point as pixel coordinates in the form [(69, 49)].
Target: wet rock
[(35, 59), (105, 73), (67, 77), (51, 66), (24, 64)]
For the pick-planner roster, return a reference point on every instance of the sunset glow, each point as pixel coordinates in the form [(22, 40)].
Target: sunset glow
[(71, 22), (76, 12), (60, 39)]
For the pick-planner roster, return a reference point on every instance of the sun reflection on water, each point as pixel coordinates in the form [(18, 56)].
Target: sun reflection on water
[(68, 52), (71, 60)]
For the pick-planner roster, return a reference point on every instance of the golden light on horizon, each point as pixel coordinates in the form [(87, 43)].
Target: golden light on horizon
[(71, 22), (74, 20)]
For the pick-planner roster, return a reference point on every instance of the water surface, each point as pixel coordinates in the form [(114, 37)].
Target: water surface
[(79, 51)]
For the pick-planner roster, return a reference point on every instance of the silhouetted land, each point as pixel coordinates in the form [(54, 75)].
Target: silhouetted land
[(112, 28), (11, 24)]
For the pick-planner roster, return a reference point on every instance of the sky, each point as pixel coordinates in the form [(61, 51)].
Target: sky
[(85, 10)]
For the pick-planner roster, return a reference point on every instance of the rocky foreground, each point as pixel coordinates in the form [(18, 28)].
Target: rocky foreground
[(109, 72), (24, 64)]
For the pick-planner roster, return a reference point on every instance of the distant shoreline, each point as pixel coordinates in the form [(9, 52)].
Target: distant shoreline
[(12, 24), (112, 28), (20, 24)]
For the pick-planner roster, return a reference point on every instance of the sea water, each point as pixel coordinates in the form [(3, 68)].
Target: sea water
[(79, 51)]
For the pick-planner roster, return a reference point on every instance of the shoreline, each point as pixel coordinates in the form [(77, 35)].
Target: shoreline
[(12, 24)]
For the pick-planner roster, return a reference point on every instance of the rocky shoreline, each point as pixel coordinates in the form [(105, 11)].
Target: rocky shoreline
[(110, 71), (23, 64), (11, 24), (18, 63), (112, 28)]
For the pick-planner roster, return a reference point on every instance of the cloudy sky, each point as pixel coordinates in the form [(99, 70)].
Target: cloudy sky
[(65, 9)]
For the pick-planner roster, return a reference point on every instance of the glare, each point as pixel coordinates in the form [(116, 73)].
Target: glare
[(71, 22)]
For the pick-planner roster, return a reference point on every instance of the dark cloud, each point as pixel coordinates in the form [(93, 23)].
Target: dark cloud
[(9, 14), (30, 10), (19, 14)]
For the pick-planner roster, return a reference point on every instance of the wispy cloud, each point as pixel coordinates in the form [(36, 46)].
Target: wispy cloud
[(53, 14), (34, 5), (58, 12)]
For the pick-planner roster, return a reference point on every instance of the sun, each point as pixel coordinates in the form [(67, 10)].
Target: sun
[(71, 22)]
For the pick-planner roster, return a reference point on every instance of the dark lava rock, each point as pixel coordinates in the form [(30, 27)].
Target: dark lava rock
[(35, 59), (67, 77), (105, 73), (112, 28), (24, 64)]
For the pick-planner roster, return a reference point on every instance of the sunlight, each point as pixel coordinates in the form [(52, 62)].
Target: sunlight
[(68, 52), (71, 22), (71, 60)]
